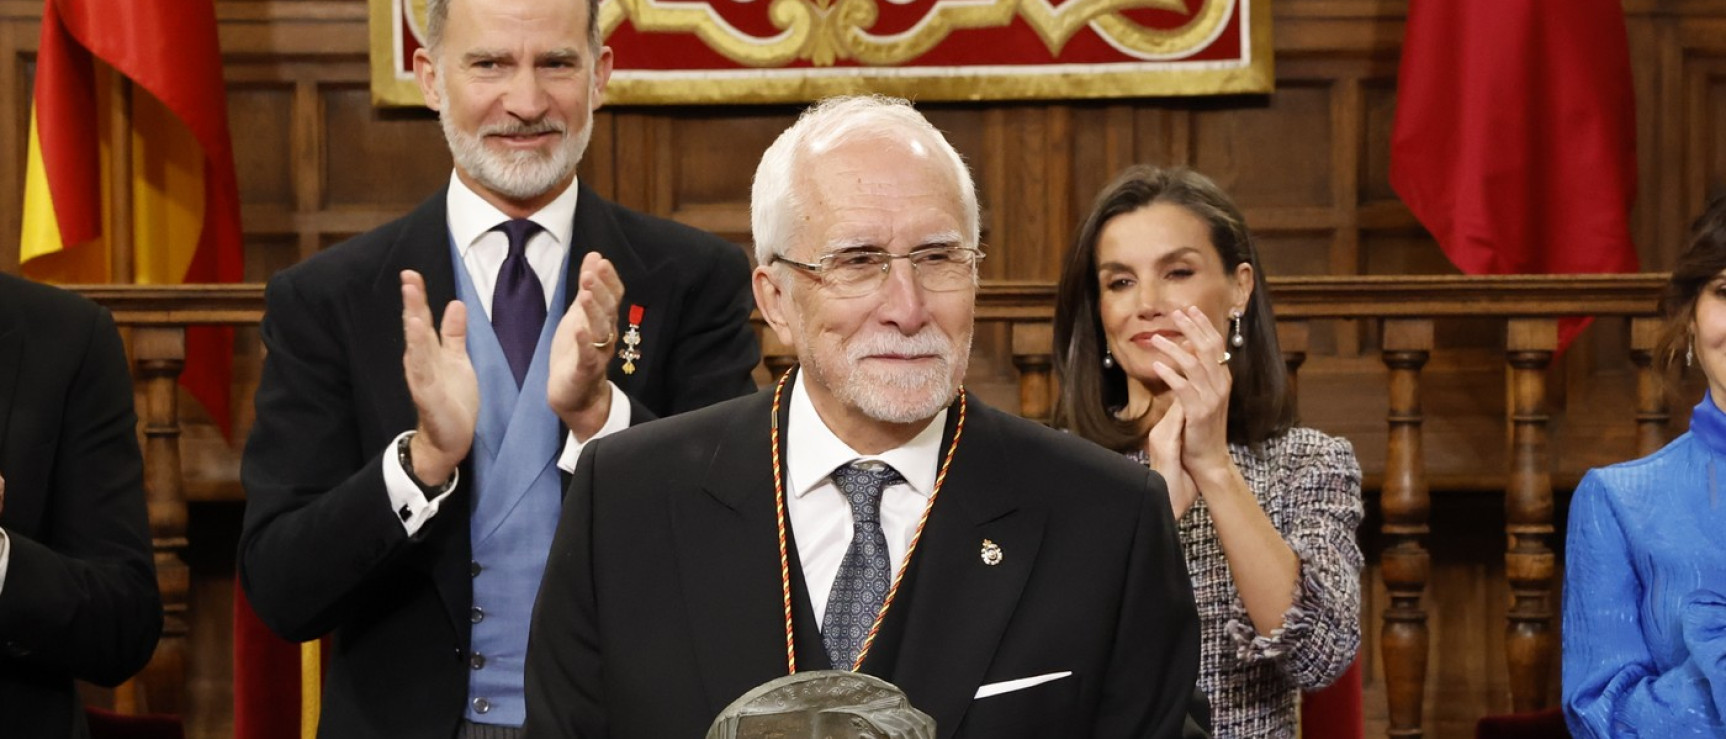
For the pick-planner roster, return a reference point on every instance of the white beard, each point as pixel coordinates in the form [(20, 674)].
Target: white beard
[(517, 175), (904, 395)]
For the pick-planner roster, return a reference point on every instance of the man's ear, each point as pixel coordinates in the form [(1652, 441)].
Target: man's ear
[(772, 300), (425, 73), (601, 76)]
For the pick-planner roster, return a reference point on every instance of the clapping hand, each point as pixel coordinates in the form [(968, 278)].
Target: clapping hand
[(441, 378), (1163, 445), (1200, 382), (580, 350)]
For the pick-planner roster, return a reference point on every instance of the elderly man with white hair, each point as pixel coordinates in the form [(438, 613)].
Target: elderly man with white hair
[(865, 513)]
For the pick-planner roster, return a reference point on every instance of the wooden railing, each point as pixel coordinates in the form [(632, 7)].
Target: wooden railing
[(1404, 311)]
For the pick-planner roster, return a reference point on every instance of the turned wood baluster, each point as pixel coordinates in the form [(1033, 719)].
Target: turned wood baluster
[(1652, 412), (1031, 342), (159, 353), (1529, 563), (1405, 564)]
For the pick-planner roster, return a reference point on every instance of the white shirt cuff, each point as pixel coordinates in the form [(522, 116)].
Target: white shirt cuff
[(406, 499), (615, 421), (5, 557)]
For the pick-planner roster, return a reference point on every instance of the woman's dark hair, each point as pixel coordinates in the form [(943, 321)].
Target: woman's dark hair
[(1700, 263), (1259, 402)]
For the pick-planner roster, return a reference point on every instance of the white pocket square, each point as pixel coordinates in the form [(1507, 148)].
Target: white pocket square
[(1008, 686)]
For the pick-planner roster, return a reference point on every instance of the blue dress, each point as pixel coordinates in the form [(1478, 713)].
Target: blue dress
[(1645, 570)]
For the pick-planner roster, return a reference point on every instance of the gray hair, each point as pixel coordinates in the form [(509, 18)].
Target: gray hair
[(774, 205), (437, 16)]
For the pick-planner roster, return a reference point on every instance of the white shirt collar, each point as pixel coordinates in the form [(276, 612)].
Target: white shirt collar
[(470, 216), (812, 451)]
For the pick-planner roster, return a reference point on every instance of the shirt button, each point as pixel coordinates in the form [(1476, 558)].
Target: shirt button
[(477, 662), (481, 705), (473, 569), (477, 615)]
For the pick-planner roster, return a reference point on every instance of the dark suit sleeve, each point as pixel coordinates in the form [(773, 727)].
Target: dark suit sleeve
[(564, 664), (318, 526), (715, 350), (1155, 662), (80, 598)]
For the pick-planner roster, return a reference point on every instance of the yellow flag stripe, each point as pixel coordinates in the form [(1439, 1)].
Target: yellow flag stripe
[(41, 234), (167, 193), (311, 686)]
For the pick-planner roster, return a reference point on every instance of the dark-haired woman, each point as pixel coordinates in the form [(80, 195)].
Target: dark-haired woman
[(1644, 569), (1166, 349)]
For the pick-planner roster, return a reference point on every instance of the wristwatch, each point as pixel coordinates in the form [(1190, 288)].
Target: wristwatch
[(404, 454)]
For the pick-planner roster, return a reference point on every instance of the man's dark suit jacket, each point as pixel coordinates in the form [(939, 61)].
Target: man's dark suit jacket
[(662, 599), (322, 552), (80, 598)]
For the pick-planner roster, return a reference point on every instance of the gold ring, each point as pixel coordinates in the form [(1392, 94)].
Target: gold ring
[(1224, 359), (607, 342)]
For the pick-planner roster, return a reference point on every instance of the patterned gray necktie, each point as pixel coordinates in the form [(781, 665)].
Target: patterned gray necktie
[(865, 572)]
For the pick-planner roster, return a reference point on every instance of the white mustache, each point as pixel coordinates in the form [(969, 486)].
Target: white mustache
[(521, 129), (923, 343)]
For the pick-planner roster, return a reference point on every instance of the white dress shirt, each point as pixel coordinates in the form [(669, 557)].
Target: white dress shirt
[(820, 516), (472, 224)]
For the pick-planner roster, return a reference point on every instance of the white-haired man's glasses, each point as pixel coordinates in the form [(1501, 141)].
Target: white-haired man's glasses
[(853, 273)]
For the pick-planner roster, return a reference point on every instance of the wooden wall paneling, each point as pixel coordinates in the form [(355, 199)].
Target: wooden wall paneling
[(1669, 186), (634, 177), (18, 42), (1273, 157), (307, 141), (1643, 33), (261, 118), (1102, 145), (712, 165), (382, 163), (1348, 123), (598, 168)]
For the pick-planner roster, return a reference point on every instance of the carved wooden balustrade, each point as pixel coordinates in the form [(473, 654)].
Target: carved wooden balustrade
[(1404, 311)]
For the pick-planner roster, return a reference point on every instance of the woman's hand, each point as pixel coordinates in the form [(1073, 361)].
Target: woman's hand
[(1200, 383), (1163, 445)]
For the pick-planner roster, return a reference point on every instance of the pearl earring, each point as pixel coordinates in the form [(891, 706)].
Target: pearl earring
[(1235, 339), (1108, 359)]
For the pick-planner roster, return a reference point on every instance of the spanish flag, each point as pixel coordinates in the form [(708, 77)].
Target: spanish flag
[(184, 205)]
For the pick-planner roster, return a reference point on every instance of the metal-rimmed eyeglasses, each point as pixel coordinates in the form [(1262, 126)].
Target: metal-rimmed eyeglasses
[(853, 273)]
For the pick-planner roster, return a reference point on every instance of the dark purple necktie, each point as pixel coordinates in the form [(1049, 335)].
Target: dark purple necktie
[(518, 303)]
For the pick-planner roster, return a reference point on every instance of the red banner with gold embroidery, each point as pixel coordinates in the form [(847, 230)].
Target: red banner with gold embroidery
[(774, 51)]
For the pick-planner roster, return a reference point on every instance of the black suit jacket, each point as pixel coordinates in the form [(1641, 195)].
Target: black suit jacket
[(662, 599), (80, 598), (322, 552)]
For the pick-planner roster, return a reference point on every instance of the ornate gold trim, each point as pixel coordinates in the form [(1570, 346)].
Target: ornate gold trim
[(388, 90), (826, 31)]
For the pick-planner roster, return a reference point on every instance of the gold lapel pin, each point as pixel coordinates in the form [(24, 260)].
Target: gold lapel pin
[(991, 553)]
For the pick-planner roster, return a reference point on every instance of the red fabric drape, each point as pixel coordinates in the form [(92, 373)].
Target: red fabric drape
[(1514, 140), (169, 48), (267, 699)]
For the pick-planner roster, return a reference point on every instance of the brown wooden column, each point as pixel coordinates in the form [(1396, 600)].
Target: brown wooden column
[(1652, 411), (160, 353), (1529, 563), (1031, 354), (1405, 563)]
